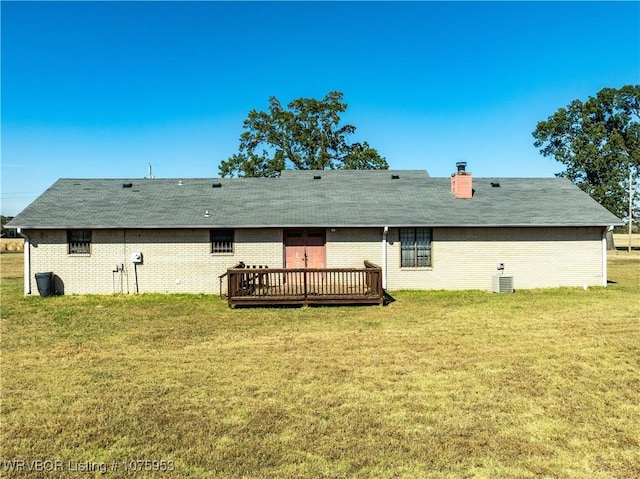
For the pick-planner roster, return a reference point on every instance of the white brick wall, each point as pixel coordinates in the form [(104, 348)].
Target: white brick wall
[(178, 261), (466, 258), (350, 247), (174, 261)]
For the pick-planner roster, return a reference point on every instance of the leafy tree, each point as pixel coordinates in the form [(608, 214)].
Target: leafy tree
[(3, 231), (598, 141), (306, 136)]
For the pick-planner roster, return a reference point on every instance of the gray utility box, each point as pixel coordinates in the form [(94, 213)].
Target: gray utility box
[(502, 283)]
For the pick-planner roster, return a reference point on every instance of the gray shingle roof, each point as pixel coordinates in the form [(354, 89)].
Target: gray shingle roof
[(338, 198)]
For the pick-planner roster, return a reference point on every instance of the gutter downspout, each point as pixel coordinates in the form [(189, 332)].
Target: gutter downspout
[(385, 231), (604, 255), (27, 262)]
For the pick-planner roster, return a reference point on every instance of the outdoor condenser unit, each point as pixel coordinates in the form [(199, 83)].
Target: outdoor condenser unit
[(502, 284)]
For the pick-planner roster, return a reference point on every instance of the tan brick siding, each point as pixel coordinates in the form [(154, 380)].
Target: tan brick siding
[(350, 247), (174, 261), (180, 261), (466, 258)]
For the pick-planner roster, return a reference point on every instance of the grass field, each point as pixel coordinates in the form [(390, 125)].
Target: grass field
[(621, 241), (537, 384)]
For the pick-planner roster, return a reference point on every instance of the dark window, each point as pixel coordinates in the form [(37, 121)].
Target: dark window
[(79, 241), (222, 241), (415, 246)]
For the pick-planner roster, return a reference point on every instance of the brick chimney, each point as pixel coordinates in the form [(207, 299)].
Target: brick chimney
[(461, 182)]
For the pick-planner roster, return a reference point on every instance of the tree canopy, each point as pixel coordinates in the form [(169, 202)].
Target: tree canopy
[(307, 135), (3, 221), (598, 141)]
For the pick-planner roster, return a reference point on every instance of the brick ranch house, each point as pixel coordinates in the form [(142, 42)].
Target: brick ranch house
[(107, 236)]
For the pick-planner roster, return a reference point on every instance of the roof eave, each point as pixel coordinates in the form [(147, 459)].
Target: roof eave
[(322, 225)]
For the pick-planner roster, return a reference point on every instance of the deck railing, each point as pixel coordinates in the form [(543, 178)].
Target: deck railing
[(305, 286)]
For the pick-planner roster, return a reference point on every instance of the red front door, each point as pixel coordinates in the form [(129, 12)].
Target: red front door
[(305, 249)]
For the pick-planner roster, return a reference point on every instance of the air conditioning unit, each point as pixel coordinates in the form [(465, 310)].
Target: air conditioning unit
[(502, 283)]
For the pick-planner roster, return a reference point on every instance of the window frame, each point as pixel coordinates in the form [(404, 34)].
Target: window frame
[(79, 241), (226, 240), (419, 249)]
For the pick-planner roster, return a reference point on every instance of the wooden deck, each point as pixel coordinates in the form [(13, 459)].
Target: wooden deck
[(304, 287)]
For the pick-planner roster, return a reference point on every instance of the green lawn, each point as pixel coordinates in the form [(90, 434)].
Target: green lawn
[(435, 385)]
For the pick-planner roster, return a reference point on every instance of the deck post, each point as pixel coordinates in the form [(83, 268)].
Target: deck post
[(304, 288)]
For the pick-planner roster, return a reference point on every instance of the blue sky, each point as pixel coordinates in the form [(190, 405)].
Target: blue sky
[(102, 89)]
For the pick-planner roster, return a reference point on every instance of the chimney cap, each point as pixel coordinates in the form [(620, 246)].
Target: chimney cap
[(462, 166)]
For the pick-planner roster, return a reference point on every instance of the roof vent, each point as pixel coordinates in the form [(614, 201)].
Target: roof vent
[(127, 185), (216, 185), (180, 183), (317, 177), (395, 177), (495, 184)]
